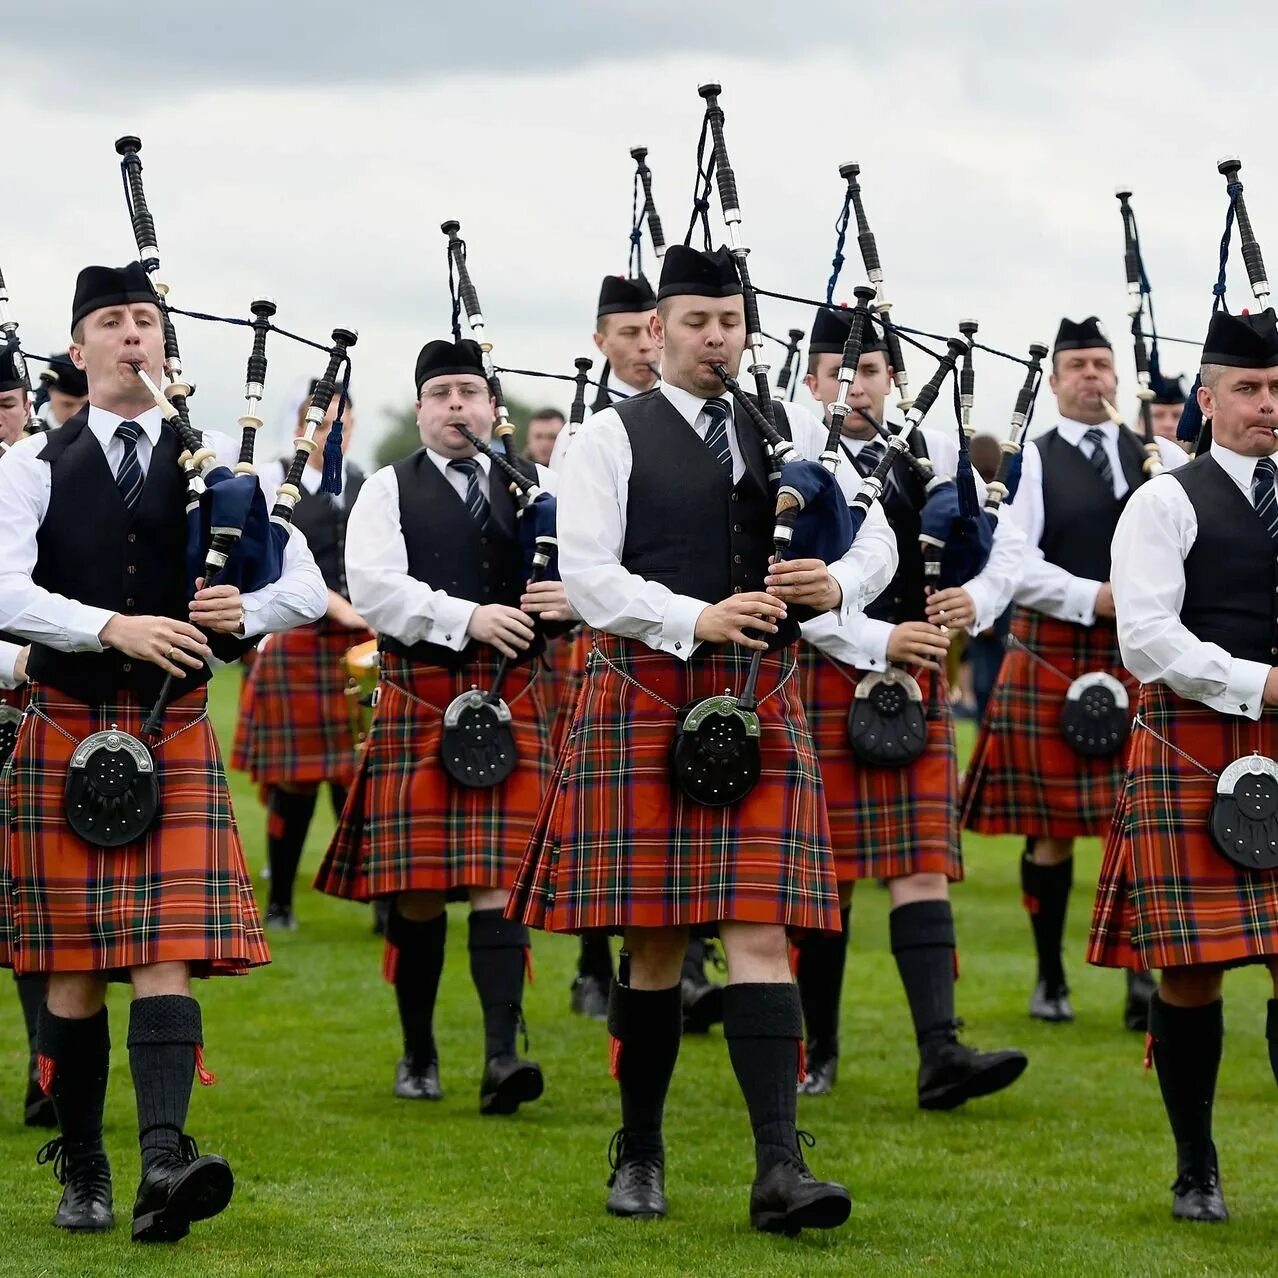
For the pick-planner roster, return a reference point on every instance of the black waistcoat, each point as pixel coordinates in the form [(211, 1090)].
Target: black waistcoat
[(687, 525), (1231, 571), (449, 551), (903, 498), (1080, 511), (322, 519), (93, 550)]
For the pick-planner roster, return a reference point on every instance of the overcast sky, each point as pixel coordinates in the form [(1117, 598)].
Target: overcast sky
[(310, 150)]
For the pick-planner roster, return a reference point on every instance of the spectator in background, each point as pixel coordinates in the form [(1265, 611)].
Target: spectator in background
[(543, 430)]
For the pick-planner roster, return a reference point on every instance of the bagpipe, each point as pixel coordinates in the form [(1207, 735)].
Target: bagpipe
[(477, 746), (11, 345), (112, 794), (714, 757), (1139, 299), (787, 383), (1002, 488), (643, 209), (1193, 430)]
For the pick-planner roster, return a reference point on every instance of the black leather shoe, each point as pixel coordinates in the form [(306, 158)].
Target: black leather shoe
[(1196, 1195), (86, 1193), (280, 918), (822, 1069), (952, 1073), (589, 997), (1140, 989), (637, 1186), (38, 1110), (508, 1083), (788, 1198), (179, 1190), (412, 1083), (1051, 1004)]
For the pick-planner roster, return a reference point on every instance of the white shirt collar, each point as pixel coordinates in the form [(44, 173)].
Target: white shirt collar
[(616, 384), (1239, 468), (441, 462), (1072, 432), (688, 405), (103, 423)]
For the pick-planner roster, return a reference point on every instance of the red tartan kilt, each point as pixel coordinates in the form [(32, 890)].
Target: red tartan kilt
[(1023, 777), (406, 825), (295, 710), (885, 823), (565, 664), (240, 744), (13, 699), (1167, 897), (616, 845), (180, 894)]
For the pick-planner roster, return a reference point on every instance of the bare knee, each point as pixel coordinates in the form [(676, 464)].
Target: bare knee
[(75, 995), (488, 898), (160, 978), (420, 907), (756, 952), (918, 887), (655, 956), (1051, 851), (1190, 986)]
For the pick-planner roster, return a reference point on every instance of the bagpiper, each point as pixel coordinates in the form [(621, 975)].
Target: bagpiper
[(14, 687), (117, 860), (299, 724), (1048, 763), (623, 335), (1189, 883), (434, 562), (665, 535), (891, 783)]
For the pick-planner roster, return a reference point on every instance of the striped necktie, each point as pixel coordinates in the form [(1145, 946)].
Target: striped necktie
[(1099, 457), (1263, 496), (716, 412), (128, 475), (476, 500), (869, 457)]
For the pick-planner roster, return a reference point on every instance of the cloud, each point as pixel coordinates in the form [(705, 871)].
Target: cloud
[(991, 139)]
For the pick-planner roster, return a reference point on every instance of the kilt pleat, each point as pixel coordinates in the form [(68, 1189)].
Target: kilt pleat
[(565, 673), (885, 823), (1023, 777), (1166, 896), (616, 845), (406, 825), (295, 711), (180, 893)]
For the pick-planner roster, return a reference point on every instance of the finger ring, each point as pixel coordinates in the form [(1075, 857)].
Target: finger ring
[(171, 654)]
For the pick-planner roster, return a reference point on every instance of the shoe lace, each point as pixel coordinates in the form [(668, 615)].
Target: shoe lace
[(54, 1152), (644, 1166), (803, 1139)]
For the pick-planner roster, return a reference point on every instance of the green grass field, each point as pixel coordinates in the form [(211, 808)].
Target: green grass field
[(1067, 1173)]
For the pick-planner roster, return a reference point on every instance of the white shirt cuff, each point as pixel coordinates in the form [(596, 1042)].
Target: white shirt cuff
[(679, 627), (1246, 687), (1080, 601), (8, 659), (450, 627)]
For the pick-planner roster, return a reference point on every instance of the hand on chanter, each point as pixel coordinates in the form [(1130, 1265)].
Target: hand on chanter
[(804, 581), (917, 643), (219, 609), (740, 619), (506, 629), (547, 600), (159, 640), (953, 608)]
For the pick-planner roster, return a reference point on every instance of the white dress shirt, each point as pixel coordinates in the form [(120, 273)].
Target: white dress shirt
[(382, 591), (592, 532), (1155, 533), (564, 438), (862, 642), (1018, 569), (67, 625)]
